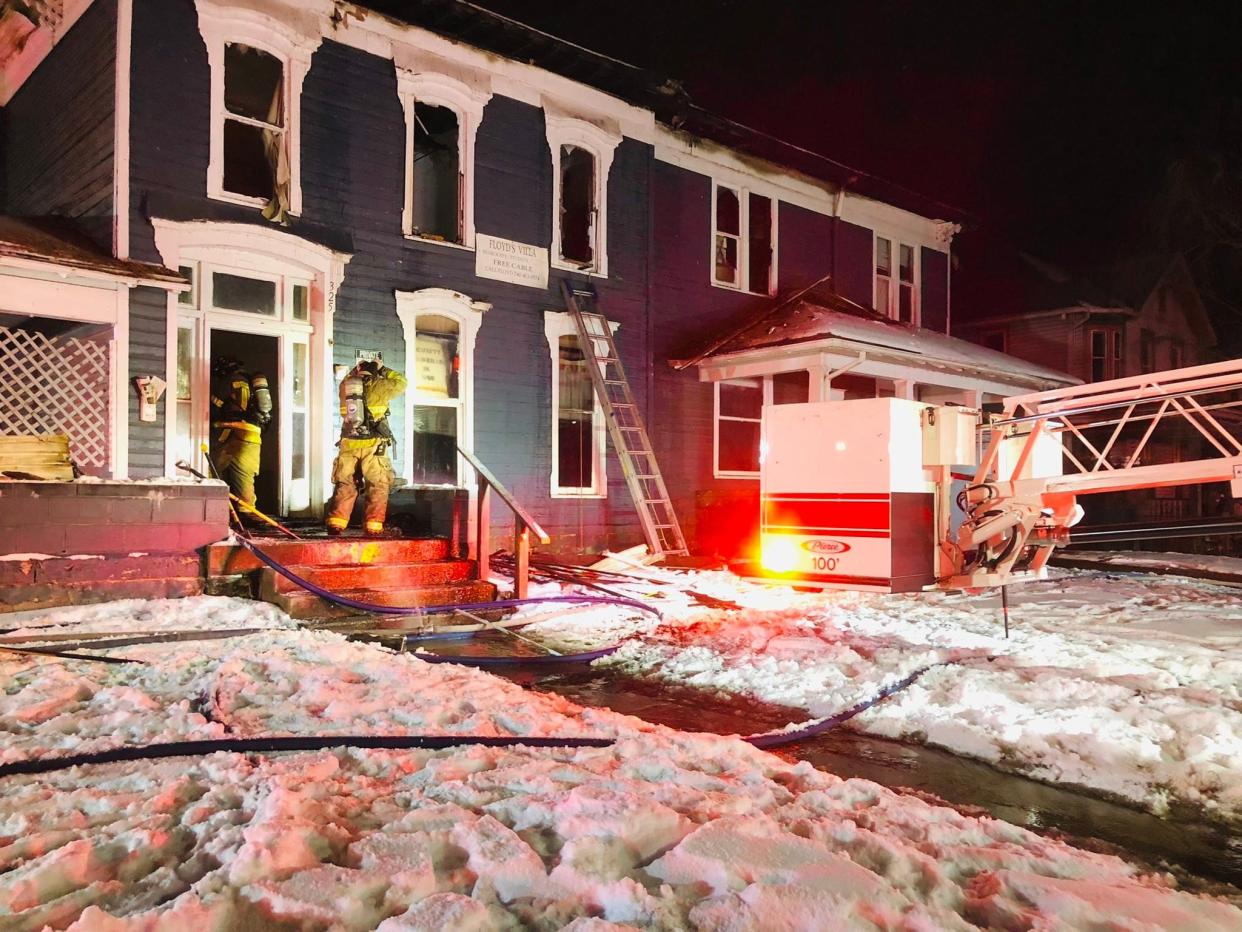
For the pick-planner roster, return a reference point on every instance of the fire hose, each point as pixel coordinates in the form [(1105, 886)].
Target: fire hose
[(373, 608)]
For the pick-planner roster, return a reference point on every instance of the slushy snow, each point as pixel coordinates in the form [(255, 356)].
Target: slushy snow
[(1129, 686), (663, 830)]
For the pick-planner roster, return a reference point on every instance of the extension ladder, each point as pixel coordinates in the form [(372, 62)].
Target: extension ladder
[(625, 425)]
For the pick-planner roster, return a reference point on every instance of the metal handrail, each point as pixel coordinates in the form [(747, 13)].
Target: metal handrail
[(523, 525)]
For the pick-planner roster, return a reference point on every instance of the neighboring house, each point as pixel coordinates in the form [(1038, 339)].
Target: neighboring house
[(1131, 319), (329, 182)]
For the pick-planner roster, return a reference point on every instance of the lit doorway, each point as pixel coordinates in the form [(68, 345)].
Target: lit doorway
[(256, 355)]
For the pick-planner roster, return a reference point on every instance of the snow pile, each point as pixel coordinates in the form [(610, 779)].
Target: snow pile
[(1129, 686), (662, 830), (138, 616)]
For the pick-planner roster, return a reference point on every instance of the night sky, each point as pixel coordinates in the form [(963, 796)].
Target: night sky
[(1082, 132)]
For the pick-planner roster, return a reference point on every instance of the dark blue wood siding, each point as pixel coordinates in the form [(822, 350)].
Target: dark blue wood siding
[(57, 134), (935, 284), (352, 183), (148, 318)]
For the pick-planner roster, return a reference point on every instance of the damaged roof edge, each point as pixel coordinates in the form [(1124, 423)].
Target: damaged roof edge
[(470, 24)]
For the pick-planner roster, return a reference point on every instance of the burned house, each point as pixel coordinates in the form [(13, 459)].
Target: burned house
[(300, 185)]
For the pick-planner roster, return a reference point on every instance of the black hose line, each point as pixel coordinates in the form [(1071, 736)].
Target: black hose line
[(290, 743)]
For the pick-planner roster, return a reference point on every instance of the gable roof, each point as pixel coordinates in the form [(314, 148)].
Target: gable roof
[(820, 314)]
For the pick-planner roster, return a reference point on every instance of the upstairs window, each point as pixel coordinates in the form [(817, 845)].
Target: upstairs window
[(255, 138), (578, 210), (436, 199), (582, 153), (442, 117), (1105, 346), (1147, 351), (742, 245), (896, 278)]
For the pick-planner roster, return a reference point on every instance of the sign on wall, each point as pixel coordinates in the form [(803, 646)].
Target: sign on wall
[(508, 261)]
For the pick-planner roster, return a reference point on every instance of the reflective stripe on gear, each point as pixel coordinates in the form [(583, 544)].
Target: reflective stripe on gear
[(376, 473), (375, 525), (336, 522)]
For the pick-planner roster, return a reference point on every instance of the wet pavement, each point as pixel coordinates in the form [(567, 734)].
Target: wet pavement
[(1201, 855)]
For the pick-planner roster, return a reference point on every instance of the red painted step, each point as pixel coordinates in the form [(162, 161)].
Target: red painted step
[(302, 604), (369, 576), (225, 559)]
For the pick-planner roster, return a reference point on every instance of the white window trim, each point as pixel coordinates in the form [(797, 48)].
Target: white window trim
[(894, 286), (557, 324), (563, 130), (220, 25), (743, 248), (468, 103), (252, 247), (468, 314), (765, 382)]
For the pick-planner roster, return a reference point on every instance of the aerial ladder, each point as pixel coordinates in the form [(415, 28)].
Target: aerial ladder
[(897, 495), (1091, 438)]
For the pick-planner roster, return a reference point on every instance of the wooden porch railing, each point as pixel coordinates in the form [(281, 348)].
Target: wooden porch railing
[(523, 525)]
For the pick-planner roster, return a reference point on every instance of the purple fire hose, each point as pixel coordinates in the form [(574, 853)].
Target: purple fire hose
[(356, 605)]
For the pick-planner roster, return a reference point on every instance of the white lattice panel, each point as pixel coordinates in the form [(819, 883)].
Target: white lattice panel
[(56, 385)]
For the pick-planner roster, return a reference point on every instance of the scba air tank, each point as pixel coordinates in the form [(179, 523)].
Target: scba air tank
[(353, 405)]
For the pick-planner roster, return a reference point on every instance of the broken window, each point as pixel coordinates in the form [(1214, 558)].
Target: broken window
[(578, 208), (742, 245), (576, 435), (759, 249), (728, 236), (436, 208), (256, 158)]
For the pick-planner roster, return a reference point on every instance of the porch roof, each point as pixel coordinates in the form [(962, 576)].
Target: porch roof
[(55, 241), (822, 320)]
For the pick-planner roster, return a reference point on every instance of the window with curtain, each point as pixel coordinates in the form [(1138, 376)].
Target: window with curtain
[(256, 155), (577, 449), (437, 409)]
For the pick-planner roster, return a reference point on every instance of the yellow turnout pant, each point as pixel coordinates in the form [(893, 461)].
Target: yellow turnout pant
[(237, 461), (376, 472)]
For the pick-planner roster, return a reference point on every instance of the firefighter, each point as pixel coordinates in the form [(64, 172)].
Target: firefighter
[(365, 439), (241, 406)]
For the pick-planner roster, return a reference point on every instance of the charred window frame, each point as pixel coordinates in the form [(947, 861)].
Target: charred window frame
[(582, 152), (442, 118), (258, 64), (255, 127), (1104, 344), (896, 280), (743, 239), (577, 209), (435, 200)]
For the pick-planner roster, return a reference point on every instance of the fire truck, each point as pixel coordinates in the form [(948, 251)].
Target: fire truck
[(895, 495)]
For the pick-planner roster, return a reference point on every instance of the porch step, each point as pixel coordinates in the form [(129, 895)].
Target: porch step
[(302, 604), (368, 576), (226, 559)]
